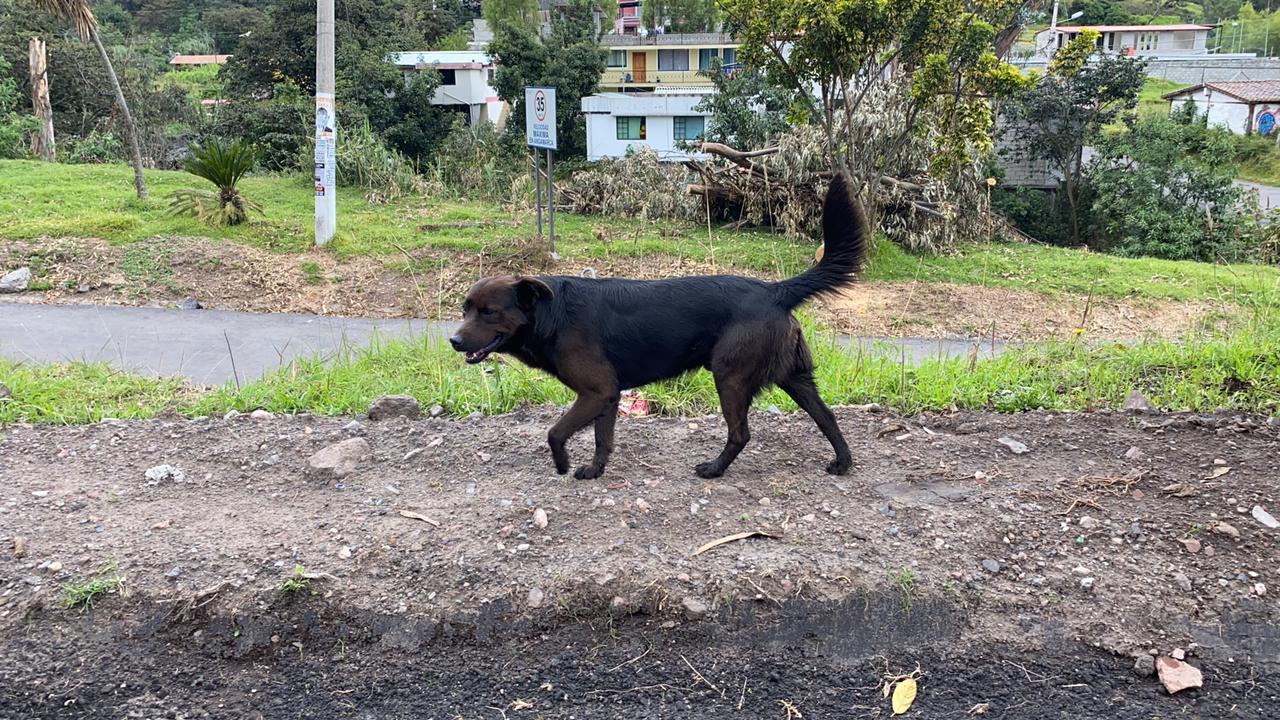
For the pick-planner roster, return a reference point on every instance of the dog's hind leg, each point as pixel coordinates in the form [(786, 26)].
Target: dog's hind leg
[(736, 391), (604, 443), (801, 387)]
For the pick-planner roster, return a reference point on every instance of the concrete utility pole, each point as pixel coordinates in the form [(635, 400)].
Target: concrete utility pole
[(326, 128)]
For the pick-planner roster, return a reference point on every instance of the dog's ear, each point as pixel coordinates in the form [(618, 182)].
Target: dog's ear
[(531, 290)]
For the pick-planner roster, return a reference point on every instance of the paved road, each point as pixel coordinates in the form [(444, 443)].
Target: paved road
[(1268, 195), (202, 344)]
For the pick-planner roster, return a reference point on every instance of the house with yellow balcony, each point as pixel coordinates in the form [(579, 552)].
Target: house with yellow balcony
[(644, 63)]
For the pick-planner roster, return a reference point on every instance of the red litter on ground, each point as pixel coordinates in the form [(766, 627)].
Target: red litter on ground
[(632, 405)]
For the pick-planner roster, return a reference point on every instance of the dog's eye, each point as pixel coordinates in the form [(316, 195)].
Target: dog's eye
[(486, 311)]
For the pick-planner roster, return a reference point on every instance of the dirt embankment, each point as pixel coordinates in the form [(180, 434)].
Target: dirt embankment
[(229, 276), (1024, 562)]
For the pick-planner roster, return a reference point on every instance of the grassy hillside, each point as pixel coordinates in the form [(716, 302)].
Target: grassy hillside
[(48, 200)]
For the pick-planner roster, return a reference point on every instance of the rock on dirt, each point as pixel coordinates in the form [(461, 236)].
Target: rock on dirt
[(991, 566), (1144, 666), (16, 281), (1177, 675), (391, 406), (436, 411), (1182, 581), (540, 519), (160, 473), (339, 459), (694, 609), (1136, 401), (19, 546), (1264, 517), (1016, 446), (261, 414), (535, 598)]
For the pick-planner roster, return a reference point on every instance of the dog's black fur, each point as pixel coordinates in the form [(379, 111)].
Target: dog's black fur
[(599, 336)]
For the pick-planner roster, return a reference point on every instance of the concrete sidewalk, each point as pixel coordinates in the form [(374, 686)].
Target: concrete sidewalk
[(211, 347)]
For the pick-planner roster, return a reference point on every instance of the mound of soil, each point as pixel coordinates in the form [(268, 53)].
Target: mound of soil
[(229, 276), (1023, 562)]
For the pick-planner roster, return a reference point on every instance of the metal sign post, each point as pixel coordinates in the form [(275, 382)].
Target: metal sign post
[(540, 134)]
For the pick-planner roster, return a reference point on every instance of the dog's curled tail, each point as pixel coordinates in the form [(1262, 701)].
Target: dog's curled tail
[(846, 239)]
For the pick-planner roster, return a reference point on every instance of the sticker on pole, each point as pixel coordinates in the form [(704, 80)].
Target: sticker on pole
[(540, 117)]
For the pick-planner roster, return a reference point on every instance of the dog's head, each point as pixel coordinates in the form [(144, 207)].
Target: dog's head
[(495, 311)]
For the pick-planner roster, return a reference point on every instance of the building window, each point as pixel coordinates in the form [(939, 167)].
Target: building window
[(673, 59), (705, 56), (1148, 41), (689, 128), (617, 58), (448, 77), (631, 128), (489, 75), (730, 56)]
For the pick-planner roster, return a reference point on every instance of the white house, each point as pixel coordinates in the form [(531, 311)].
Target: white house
[(617, 122), (466, 82), (1242, 106), (1132, 40)]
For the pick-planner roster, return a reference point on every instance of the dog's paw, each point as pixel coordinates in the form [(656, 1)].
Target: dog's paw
[(562, 464), (588, 472), (840, 466), (709, 469)]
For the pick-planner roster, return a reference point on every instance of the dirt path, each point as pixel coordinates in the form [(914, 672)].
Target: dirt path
[(228, 276), (1029, 582)]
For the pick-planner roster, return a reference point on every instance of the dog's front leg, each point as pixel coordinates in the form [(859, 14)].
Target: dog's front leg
[(588, 407), (604, 422)]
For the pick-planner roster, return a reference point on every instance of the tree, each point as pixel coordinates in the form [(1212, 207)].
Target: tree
[(570, 59), (681, 16), (747, 111), (843, 49), (280, 56), (80, 17), (13, 127), (1067, 109), (1164, 188), (1101, 12), (512, 12)]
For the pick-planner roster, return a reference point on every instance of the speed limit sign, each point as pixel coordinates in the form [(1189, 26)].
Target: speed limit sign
[(540, 117)]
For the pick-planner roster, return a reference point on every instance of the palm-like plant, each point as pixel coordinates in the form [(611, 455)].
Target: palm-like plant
[(80, 17), (222, 164)]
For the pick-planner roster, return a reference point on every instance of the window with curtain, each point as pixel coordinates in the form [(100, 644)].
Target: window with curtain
[(690, 127), (730, 56), (617, 58), (631, 128), (673, 59), (704, 58)]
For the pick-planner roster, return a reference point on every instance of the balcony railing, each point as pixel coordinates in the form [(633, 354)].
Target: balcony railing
[(623, 76)]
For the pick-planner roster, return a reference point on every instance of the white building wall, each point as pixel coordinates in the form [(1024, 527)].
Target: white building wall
[(659, 111), (1221, 110)]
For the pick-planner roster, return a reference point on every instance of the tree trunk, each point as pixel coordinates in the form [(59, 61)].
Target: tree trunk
[(42, 142), (132, 130)]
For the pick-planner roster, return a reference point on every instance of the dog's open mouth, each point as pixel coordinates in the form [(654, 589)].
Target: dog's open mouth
[(476, 356)]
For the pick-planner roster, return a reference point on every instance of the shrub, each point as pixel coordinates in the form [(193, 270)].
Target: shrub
[(92, 149), (481, 163), (223, 164), (365, 161), (1163, 188)]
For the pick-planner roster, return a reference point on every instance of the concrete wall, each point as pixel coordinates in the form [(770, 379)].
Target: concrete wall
[(659, 111), (1208, 69)]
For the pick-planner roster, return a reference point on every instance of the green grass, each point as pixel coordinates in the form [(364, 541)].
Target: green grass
[(1054, 270), (45, 200), (48, 200), (85, 594), (1150, 102), (1239, 371)]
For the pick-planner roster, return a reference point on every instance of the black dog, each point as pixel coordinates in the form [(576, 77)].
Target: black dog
[(598, 336)]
